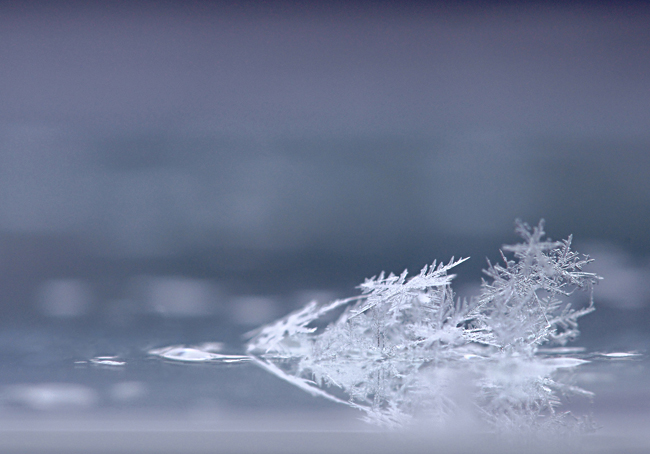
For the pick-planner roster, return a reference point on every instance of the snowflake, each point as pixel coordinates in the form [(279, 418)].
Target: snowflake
[(406, 347)]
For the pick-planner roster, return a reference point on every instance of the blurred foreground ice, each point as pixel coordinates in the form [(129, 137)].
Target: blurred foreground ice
[(50, 402)]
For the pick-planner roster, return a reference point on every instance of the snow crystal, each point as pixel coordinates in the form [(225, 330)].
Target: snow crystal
[(407, 348)]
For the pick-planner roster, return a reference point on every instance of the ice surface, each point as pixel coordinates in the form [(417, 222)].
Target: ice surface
[(157, 405)]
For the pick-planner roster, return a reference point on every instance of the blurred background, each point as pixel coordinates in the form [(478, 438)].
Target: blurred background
[(186, 171), (170, 157)]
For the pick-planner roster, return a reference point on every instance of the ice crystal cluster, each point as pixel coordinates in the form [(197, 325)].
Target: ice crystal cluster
[(407, 348)]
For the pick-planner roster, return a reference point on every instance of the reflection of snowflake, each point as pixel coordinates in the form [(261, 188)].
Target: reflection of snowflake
[(406, 348)]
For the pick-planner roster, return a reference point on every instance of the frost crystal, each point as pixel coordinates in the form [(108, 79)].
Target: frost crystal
[(523, 302), (407, 348)]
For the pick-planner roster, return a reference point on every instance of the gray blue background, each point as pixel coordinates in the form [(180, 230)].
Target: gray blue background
[(271, 148), (179, 172)]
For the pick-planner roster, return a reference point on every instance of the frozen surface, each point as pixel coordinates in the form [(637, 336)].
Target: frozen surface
[(68, 387)]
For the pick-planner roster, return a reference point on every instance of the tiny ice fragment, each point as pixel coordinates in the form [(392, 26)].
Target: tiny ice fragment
[(620, 355), (190, 354), (107, 361), (186, 354)]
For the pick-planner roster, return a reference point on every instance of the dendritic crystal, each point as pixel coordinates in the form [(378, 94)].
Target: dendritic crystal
[(407, 348)]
